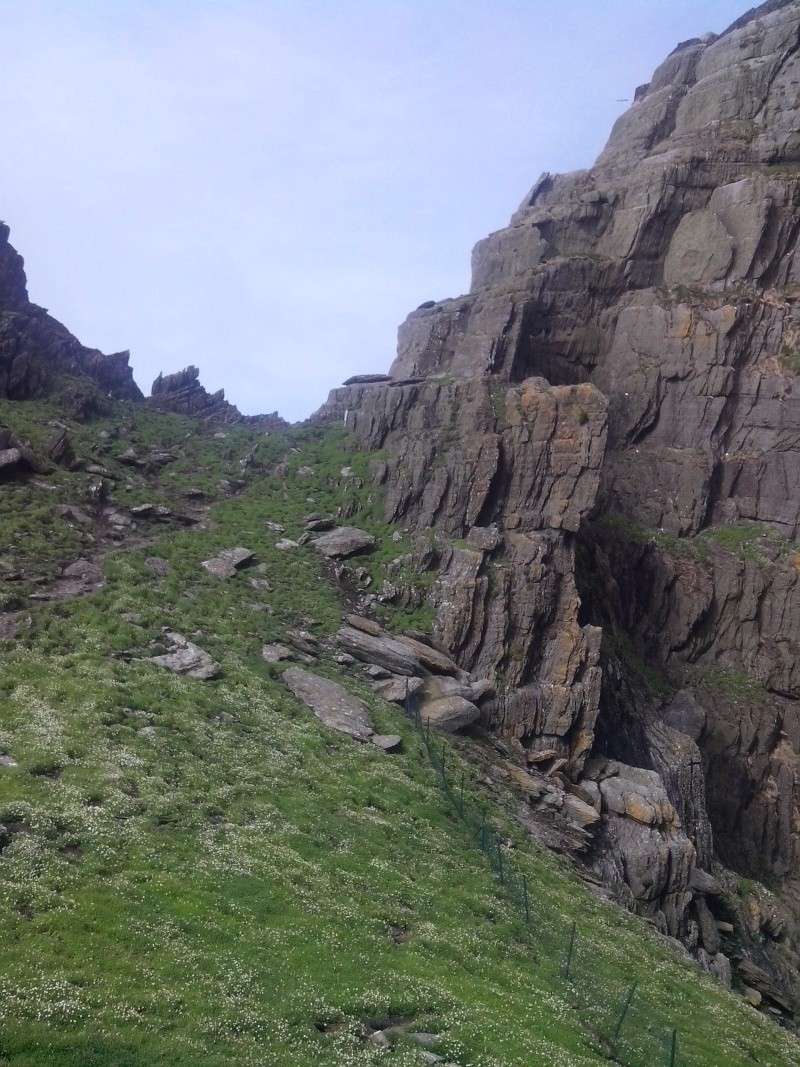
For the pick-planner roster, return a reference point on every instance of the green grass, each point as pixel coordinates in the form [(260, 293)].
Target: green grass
[(200, 874)]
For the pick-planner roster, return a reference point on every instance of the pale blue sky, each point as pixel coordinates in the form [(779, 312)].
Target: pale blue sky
[(266, 188)]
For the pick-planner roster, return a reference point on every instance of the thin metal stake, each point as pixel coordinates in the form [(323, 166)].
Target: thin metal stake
[(570, 951), (525, 900), (625, 1006), (673, 1051)]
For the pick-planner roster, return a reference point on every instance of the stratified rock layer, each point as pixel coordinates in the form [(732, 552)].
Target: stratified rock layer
[(629, 352)]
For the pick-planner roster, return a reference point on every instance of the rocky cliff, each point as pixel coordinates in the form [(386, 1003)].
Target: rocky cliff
[(38, 355), (601, 443)]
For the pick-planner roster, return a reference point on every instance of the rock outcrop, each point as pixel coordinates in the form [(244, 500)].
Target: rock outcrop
[(602, 441), (38, 355), (184, 394)]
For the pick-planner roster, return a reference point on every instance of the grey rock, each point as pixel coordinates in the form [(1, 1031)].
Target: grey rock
[(344, 541), (276, 653), (186, 658), (226, 563), (449, 714), (387, 742), (331, 703)]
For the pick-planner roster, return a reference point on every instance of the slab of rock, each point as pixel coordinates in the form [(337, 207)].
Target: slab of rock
[(186, 658), (226, 563), (79, 578), (276, 653), (449, 714), (579, 812), (387, 742), (400, 655), (286, 544), (395, 690), (331, 703), (368, 626), (343, 541)]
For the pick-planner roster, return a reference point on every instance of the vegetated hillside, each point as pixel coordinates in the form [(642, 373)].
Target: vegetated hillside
[(200, 872)]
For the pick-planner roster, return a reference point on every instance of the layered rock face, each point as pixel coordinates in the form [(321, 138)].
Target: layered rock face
[(629, 352), (183, 393), (37, 353)]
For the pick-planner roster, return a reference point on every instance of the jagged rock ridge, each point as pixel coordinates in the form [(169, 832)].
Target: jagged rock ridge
[(37, 353), (620, 383)]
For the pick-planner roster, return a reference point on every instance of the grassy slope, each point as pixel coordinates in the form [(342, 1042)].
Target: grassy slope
[(227, 886)]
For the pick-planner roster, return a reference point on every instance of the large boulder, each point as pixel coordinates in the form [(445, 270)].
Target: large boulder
[(449, 714), (343, 541), (331, 703)]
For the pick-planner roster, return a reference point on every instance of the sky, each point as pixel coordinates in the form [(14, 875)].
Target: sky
[(266, 189)]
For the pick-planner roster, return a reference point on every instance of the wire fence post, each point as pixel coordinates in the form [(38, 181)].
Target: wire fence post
[(525, 900), (570, 951), (673, 1049), (624, 1011)]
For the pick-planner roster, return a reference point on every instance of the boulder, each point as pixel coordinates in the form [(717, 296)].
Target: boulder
[(331, 703), (186, 658), (276, 653), (226, 563), (387, 742), (396, 690), (400, 655), (343, 541), (449, 714)]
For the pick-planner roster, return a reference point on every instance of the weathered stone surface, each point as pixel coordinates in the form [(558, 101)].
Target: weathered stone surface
[(276, 653), (186, 658), (37, 352), (226, 563), (343, 541), (398, 690), (398, 654), (182, 393), (449, 714), (331, 703)]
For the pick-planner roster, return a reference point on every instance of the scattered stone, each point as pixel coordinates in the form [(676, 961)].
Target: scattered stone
[(276, 653), (226, 563), (377, 672), (73, 514), (286, 544), (331, 703), (274, 526), (368, 626), (7, 761), (343, 541), (261, 584), (318, 525), (305, 472), (186, 659)]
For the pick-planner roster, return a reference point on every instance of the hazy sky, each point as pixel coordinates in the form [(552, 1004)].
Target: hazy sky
[(267, 188)]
